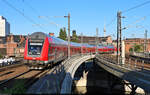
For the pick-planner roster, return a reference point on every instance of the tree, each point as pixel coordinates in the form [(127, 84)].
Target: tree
[(136, 48), (65, 34), (1, 56), (62, 34), (131, 49), (74, 36)]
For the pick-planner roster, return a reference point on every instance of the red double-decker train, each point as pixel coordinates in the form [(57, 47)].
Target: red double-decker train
[(42, 50)]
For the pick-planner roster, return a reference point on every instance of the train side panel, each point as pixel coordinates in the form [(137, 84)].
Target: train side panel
[(44, 53)]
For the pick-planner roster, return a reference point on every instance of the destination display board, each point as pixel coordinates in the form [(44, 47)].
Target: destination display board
[(35, 43)]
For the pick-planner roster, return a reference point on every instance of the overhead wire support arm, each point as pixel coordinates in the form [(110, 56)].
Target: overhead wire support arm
[(131, 25)]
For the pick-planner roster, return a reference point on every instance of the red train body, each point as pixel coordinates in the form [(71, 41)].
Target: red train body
[(43, 50)]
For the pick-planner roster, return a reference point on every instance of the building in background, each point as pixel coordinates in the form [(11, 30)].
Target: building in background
[(12, 45), (4, 27), (92, 40), (130, 42)]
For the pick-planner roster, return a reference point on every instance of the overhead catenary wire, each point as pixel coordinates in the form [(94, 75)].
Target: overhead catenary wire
[(127, 10), (21, 13), (114, 19), (37, 13), (137, 6), (130, 25), (32, 8), (46, 19)]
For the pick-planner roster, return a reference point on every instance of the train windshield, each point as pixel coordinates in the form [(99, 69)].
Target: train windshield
[(34, 48)]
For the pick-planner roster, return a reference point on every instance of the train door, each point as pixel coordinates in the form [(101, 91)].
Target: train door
[(51, 53), (55, 53)]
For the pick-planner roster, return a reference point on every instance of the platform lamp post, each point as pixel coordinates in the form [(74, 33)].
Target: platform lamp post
[(68, 34)]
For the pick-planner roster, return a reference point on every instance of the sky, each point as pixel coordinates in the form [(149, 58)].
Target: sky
[(86, 16)]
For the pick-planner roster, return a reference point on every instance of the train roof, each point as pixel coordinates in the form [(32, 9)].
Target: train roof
[(38, 35), (104, 46), (75, 44), (58, 41), (41, 35), (63, 42), (111, 46)]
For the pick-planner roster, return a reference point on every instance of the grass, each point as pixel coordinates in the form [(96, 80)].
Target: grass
[(18, 88)]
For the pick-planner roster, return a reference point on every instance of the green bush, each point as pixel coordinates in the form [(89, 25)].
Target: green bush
[(18, 88), (136, 48), (1, 56)]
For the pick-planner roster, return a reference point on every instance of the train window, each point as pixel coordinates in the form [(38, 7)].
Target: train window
[(51, 49), (34, 48)]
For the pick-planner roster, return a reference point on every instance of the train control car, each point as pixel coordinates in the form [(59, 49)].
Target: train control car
[(42, 50)]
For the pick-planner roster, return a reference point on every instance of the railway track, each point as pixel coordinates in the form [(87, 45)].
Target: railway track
[(129, 62), (12, 71), (26, 79), (17, 64), (7, 80), (146, 60)]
